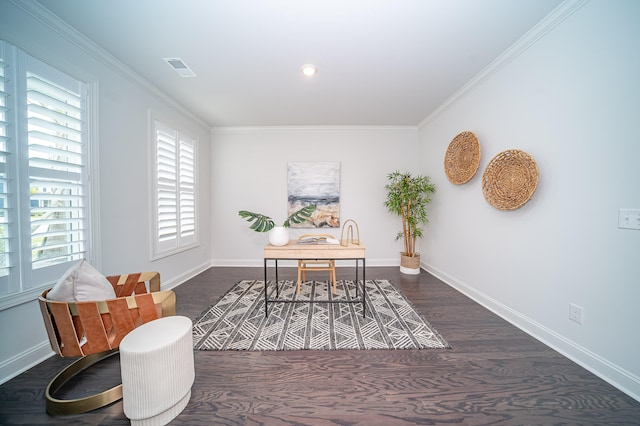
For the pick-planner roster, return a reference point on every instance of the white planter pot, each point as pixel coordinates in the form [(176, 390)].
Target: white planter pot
[(279, 236)]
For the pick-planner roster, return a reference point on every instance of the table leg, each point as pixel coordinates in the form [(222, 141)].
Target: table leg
[(357, 264), (277, 281), (364, 287), (266, 298)]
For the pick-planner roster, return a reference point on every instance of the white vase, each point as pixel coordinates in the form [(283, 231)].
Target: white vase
[(279, 236)]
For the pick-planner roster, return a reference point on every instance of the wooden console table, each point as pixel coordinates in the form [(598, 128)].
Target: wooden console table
[(294, 251)]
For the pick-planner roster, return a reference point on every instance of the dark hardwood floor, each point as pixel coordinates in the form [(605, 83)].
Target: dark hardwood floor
[(494, 374)]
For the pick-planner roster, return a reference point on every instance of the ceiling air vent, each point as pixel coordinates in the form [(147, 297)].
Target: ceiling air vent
[(180, 67)]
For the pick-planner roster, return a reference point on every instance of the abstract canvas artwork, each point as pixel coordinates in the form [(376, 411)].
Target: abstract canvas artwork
[(315, 183)]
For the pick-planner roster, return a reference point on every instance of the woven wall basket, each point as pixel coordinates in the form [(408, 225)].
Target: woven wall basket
[(462, 158), (510, 179)]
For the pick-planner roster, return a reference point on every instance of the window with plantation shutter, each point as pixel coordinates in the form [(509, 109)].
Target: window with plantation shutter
[(5, 245), (56, 163), (44, 209), (174, 190)]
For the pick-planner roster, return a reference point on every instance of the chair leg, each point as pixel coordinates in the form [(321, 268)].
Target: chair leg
[(335, 281), (56, 406), (299, 270)]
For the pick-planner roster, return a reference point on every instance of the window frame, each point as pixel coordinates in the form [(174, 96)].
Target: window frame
[(24, 283), (180, 242)]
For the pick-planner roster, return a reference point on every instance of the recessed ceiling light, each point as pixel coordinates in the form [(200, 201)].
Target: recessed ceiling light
[(309, 70)]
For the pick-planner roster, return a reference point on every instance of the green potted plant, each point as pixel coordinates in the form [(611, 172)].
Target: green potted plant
[(278, 235), (407, 197)]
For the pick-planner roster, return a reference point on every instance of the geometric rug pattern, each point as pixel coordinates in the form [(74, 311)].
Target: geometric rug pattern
[(238, 322)]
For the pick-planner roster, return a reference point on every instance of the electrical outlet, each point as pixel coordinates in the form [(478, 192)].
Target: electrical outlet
[(575, 313), (629, 219)]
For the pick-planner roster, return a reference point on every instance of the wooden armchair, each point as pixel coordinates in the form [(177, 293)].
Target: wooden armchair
[(93, 331)]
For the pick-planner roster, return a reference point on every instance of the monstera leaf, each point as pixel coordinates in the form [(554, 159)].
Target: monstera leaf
[(262, 223), (299, 216)]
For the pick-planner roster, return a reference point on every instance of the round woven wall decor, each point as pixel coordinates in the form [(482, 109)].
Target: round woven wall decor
[(462, 158), (510, 179)]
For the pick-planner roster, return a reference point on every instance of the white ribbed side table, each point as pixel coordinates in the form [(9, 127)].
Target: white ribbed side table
[(156, 362)]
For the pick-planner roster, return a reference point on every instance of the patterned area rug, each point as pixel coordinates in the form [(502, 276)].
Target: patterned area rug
[(238, 322)]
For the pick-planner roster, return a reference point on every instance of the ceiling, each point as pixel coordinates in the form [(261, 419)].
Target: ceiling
[(380, 62)]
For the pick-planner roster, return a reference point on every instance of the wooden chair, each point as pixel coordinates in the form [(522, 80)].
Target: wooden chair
[(93, 331), (305, 265)]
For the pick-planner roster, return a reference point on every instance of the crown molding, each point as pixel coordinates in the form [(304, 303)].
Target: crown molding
[(318, 128), (549, 22), (64, 30)]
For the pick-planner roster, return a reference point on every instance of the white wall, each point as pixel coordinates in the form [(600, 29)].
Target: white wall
[(124, 156), (570, 99), (249, 172)]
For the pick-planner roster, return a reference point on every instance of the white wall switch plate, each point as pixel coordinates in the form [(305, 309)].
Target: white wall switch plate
[(629, 218)]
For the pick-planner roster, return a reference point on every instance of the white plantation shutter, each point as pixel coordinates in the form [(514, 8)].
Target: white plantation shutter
[(5, 242), (167, 188), (175, 190), (44, 212), (186, 183), (56, 163)]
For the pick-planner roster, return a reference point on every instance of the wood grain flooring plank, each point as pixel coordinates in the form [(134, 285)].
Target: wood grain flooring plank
[(494, 374)]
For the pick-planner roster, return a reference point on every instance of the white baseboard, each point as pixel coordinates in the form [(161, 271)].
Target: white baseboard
[(618, 377), (169, 284), (21, 362), (254, 263)]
